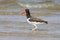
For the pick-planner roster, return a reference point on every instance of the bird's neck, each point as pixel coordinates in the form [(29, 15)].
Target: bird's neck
[(28, 14)]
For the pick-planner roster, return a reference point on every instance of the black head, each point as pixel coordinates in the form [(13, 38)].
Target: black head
[(27, 13)]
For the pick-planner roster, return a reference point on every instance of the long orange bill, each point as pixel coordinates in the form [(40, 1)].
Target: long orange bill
[(23, 12)]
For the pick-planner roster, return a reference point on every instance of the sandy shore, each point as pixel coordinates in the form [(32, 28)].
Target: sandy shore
[(29, 35)]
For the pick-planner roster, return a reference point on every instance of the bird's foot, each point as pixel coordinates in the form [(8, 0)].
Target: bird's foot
[(33, 30)]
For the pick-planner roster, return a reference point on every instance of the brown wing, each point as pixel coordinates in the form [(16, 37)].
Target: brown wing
[(36, 19)]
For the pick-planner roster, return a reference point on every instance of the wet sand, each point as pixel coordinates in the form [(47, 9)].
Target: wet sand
[(31, 34)]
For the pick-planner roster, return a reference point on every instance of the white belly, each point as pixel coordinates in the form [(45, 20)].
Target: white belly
[(35, 22)]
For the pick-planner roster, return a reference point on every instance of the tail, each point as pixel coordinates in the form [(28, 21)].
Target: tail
[(46, 22)]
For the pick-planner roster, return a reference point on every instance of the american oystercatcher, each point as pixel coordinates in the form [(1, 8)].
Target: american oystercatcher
[(33, 20)]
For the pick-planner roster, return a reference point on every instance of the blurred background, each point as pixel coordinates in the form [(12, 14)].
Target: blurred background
[(14, 26)]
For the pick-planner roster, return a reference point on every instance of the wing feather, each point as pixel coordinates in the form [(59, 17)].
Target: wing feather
[(36, 19)]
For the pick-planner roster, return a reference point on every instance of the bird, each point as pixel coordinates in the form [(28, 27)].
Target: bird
[(33, 20)]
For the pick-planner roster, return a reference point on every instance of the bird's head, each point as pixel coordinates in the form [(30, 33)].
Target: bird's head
[(24, 12)]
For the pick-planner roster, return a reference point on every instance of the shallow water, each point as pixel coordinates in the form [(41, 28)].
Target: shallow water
[(15, 27), (10, 24)]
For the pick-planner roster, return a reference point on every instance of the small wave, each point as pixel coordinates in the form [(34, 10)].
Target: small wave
[(27, 5)]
